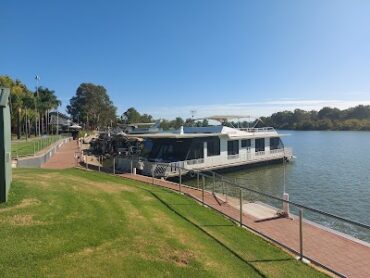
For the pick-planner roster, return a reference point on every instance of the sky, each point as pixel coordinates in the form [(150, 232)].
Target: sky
[(169, 57)]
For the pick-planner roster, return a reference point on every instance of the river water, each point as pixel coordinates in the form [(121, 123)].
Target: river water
[(330, 172)]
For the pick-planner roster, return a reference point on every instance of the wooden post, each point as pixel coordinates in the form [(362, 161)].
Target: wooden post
[(198, 180), (99, 162), (114, 166)]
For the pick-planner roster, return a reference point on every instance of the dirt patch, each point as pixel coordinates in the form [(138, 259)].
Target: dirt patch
[(181, 258), (21, 220), (109, 188), (164, 253), (90, 186), (23, 204)]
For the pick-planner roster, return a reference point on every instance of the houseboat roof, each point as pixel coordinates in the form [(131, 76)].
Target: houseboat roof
[(193, 132)]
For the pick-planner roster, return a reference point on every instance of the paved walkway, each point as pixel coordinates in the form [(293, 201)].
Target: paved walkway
[(64, 157), (347, 257)]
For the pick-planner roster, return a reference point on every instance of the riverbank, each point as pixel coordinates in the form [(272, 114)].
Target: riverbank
[(74, 222)]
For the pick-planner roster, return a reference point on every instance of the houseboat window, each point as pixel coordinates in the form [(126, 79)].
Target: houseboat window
[(233, 147), (213, 146), (276, 143), (146, 147), (196, 150), (246, 143), (169, 150), (260, 145)]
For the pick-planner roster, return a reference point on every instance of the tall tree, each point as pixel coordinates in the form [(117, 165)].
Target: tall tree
[(132, 116), (47, 100), (91, 105)]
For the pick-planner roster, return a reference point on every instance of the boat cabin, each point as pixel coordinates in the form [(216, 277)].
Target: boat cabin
[(210, 148)]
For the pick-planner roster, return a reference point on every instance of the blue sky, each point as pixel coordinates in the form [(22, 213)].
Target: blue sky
[(169, 57)]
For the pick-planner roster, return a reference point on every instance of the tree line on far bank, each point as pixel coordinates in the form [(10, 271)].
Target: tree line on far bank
[(92, 107), (327, 118)]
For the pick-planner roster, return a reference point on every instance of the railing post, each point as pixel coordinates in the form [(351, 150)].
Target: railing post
[(114, 165), (301, 234), (86, 162), (99, 162), (223, 185), (198, 180), (131, 165), (180, 179), (241, 206), (227, 191), (34, 148), (214, 182), (203, 184)]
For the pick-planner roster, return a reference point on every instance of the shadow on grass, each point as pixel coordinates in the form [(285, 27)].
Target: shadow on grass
[(199, 227)]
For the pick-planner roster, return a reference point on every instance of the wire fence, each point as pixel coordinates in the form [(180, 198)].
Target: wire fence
[(335, 243), (33, 146)]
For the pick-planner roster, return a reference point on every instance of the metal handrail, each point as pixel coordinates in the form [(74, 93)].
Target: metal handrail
[(228, 180)]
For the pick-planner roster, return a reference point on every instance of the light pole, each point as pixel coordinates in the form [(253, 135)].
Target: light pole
[(57, 122), (37, 99)]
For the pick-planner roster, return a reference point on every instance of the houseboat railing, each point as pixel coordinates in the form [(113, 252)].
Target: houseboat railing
[(254, 129), (172, 168)]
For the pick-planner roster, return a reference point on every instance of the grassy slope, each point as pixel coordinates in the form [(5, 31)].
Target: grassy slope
[(25, 148), (72, 222)]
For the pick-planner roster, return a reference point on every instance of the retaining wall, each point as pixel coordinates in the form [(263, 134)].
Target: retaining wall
[(38, 160)]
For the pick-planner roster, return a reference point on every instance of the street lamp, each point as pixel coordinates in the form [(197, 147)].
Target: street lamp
[(37, 78)]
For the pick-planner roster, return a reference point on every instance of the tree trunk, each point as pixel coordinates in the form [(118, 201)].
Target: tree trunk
[(35, 125), (19, 124), (46, 122), (42, 123), (26, 126)]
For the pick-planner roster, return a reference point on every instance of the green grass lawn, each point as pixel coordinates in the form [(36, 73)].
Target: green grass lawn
[(25, 148), (78, 223)]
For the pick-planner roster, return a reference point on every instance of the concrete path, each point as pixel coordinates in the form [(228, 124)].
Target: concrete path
[(345, 256), (64, 157)]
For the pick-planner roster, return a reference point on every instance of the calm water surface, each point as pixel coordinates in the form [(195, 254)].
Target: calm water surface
[(331, 172)]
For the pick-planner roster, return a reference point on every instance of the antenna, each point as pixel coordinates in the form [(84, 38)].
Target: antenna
[(193, 112)]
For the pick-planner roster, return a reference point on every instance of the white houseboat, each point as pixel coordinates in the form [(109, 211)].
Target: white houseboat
[(209, 148)]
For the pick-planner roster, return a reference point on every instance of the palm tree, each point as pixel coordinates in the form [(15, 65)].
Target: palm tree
[(47, 101)]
